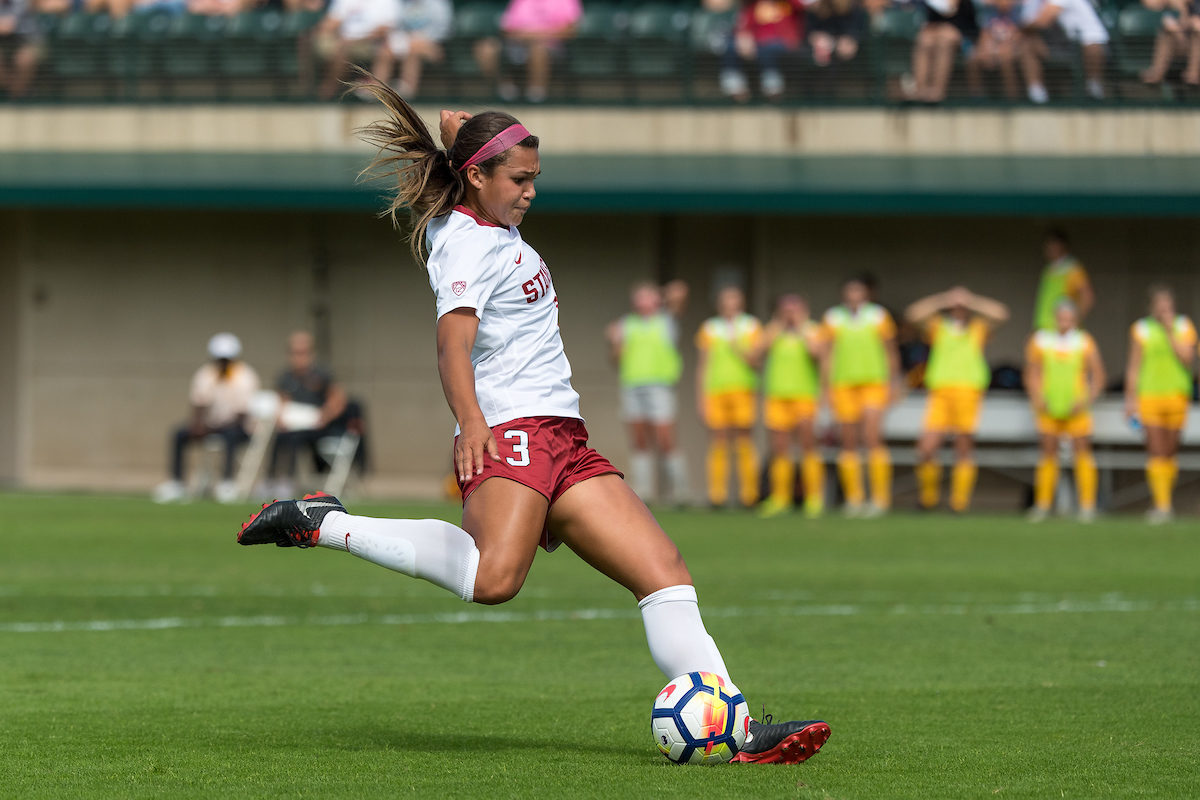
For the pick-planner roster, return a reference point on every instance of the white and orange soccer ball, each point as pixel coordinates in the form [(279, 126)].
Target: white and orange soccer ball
[(700, 718)]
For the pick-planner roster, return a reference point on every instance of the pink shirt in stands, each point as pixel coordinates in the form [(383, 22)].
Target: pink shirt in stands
[(540, 16)]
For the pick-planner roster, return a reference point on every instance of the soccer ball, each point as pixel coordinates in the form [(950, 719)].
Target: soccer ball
[(700, 718)]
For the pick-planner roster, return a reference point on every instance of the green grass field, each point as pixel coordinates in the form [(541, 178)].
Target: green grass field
[(144, 654)]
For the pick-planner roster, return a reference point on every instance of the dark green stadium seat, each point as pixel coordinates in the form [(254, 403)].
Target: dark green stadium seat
[(247, 47), (189, 45), (1136, 28), (595, 52), (657, 41), (893, 31), (472, 22)]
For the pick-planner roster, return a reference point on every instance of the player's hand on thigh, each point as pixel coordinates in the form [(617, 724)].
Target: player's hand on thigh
[(475, 443)]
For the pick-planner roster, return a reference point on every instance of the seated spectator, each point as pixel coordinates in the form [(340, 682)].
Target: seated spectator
[(835, 28), (353, 31), (534, 31), (119, 8), (999, 39), (1080, 22), (422, 27), (307, 384), (220, 396), (765, 31), (950, 28), (1179, 37), (21, 47)]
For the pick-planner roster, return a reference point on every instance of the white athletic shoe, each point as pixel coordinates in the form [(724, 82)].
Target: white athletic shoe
[(1158, 516), (873, 511), (1037, 514), (1038, 94), (1095, 89), (772, 83), (226, 492), (169, 492), (733, 83), (854, 510), (1087, 515)]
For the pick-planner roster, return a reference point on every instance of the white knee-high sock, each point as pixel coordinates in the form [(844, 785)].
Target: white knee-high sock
[(641, 474), (430, 549), (677, 478), (678, 641)]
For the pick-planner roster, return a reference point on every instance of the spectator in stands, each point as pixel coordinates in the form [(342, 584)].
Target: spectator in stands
[(21, 47), (1179, 37), (766, 30), (353, 31), (957, 323), (998, 46), (791, 347), (1158, 386), (645, 346), (220, 396), (216, 8), (1064, 376), (835, 29), (1063, 278), (534, 32), (950, 28), (725, 387), (304, 383), (1081, 23), (417, 38), (861, 372)]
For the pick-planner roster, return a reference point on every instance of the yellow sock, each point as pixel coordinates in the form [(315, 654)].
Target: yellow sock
[(1085, 481), (850, 472), (1045, 478), (1158, 475), (718, 473), (783, 480), (812, 471), (962, 485), (929, 483), (879, 464), (747, 464), (1172, 474)]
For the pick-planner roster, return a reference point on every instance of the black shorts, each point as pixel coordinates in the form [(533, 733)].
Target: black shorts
[(840, 26)]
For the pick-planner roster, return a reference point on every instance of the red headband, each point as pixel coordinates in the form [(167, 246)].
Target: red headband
[(509, 137)]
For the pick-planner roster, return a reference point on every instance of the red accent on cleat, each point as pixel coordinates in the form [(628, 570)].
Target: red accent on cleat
[(800, 746)]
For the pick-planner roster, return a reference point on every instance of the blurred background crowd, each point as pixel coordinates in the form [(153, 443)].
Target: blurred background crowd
[(777, 51)]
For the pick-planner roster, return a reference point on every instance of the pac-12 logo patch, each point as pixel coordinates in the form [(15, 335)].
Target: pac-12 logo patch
[(458, 287)]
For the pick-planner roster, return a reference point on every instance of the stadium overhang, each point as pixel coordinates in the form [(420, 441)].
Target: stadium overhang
[(876, 185)]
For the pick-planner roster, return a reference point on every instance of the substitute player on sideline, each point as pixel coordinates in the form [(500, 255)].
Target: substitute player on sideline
[(1063, 278), (791, 346), (957, 323), (1064, 376), (645, 347), (861, 369), (726, 383), (527, 474), (1158, 385)]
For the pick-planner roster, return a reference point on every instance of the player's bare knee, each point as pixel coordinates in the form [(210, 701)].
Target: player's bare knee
[(494, 590)]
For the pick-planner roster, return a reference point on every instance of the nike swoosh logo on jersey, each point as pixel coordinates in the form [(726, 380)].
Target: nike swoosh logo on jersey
[(520, 255)]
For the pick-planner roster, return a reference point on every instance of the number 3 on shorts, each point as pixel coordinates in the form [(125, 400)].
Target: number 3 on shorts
[(520, 456)]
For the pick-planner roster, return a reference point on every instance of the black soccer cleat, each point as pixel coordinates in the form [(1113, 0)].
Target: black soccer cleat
[(784, 743), (289, 523)]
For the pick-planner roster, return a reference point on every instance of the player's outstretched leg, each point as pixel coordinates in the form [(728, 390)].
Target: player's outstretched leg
[(430, 549)]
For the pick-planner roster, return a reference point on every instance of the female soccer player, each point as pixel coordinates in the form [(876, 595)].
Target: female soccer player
[(957, 324), (521, 455), (645, 347), (1158, 385), (861, 370), (1064, 376), (725, 385), (791, 345)]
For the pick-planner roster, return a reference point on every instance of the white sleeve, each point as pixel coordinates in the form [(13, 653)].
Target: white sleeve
[(464, 274)]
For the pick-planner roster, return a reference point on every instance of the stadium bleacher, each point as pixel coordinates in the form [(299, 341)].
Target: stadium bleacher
[(630, 52)]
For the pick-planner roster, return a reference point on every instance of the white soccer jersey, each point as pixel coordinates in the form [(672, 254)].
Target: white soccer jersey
[(521, 369), (1078, 19)]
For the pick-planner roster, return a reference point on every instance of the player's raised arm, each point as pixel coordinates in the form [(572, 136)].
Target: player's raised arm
[(992, 311), (921, 311), (456, 332)]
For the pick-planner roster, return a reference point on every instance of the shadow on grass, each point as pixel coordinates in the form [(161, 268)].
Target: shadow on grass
[(434, 741)]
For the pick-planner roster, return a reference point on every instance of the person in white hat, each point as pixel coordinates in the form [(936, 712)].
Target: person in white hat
[(220, 397)]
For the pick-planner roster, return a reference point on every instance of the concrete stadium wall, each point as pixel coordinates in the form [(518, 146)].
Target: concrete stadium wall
[(104, 316), (756, 131)]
